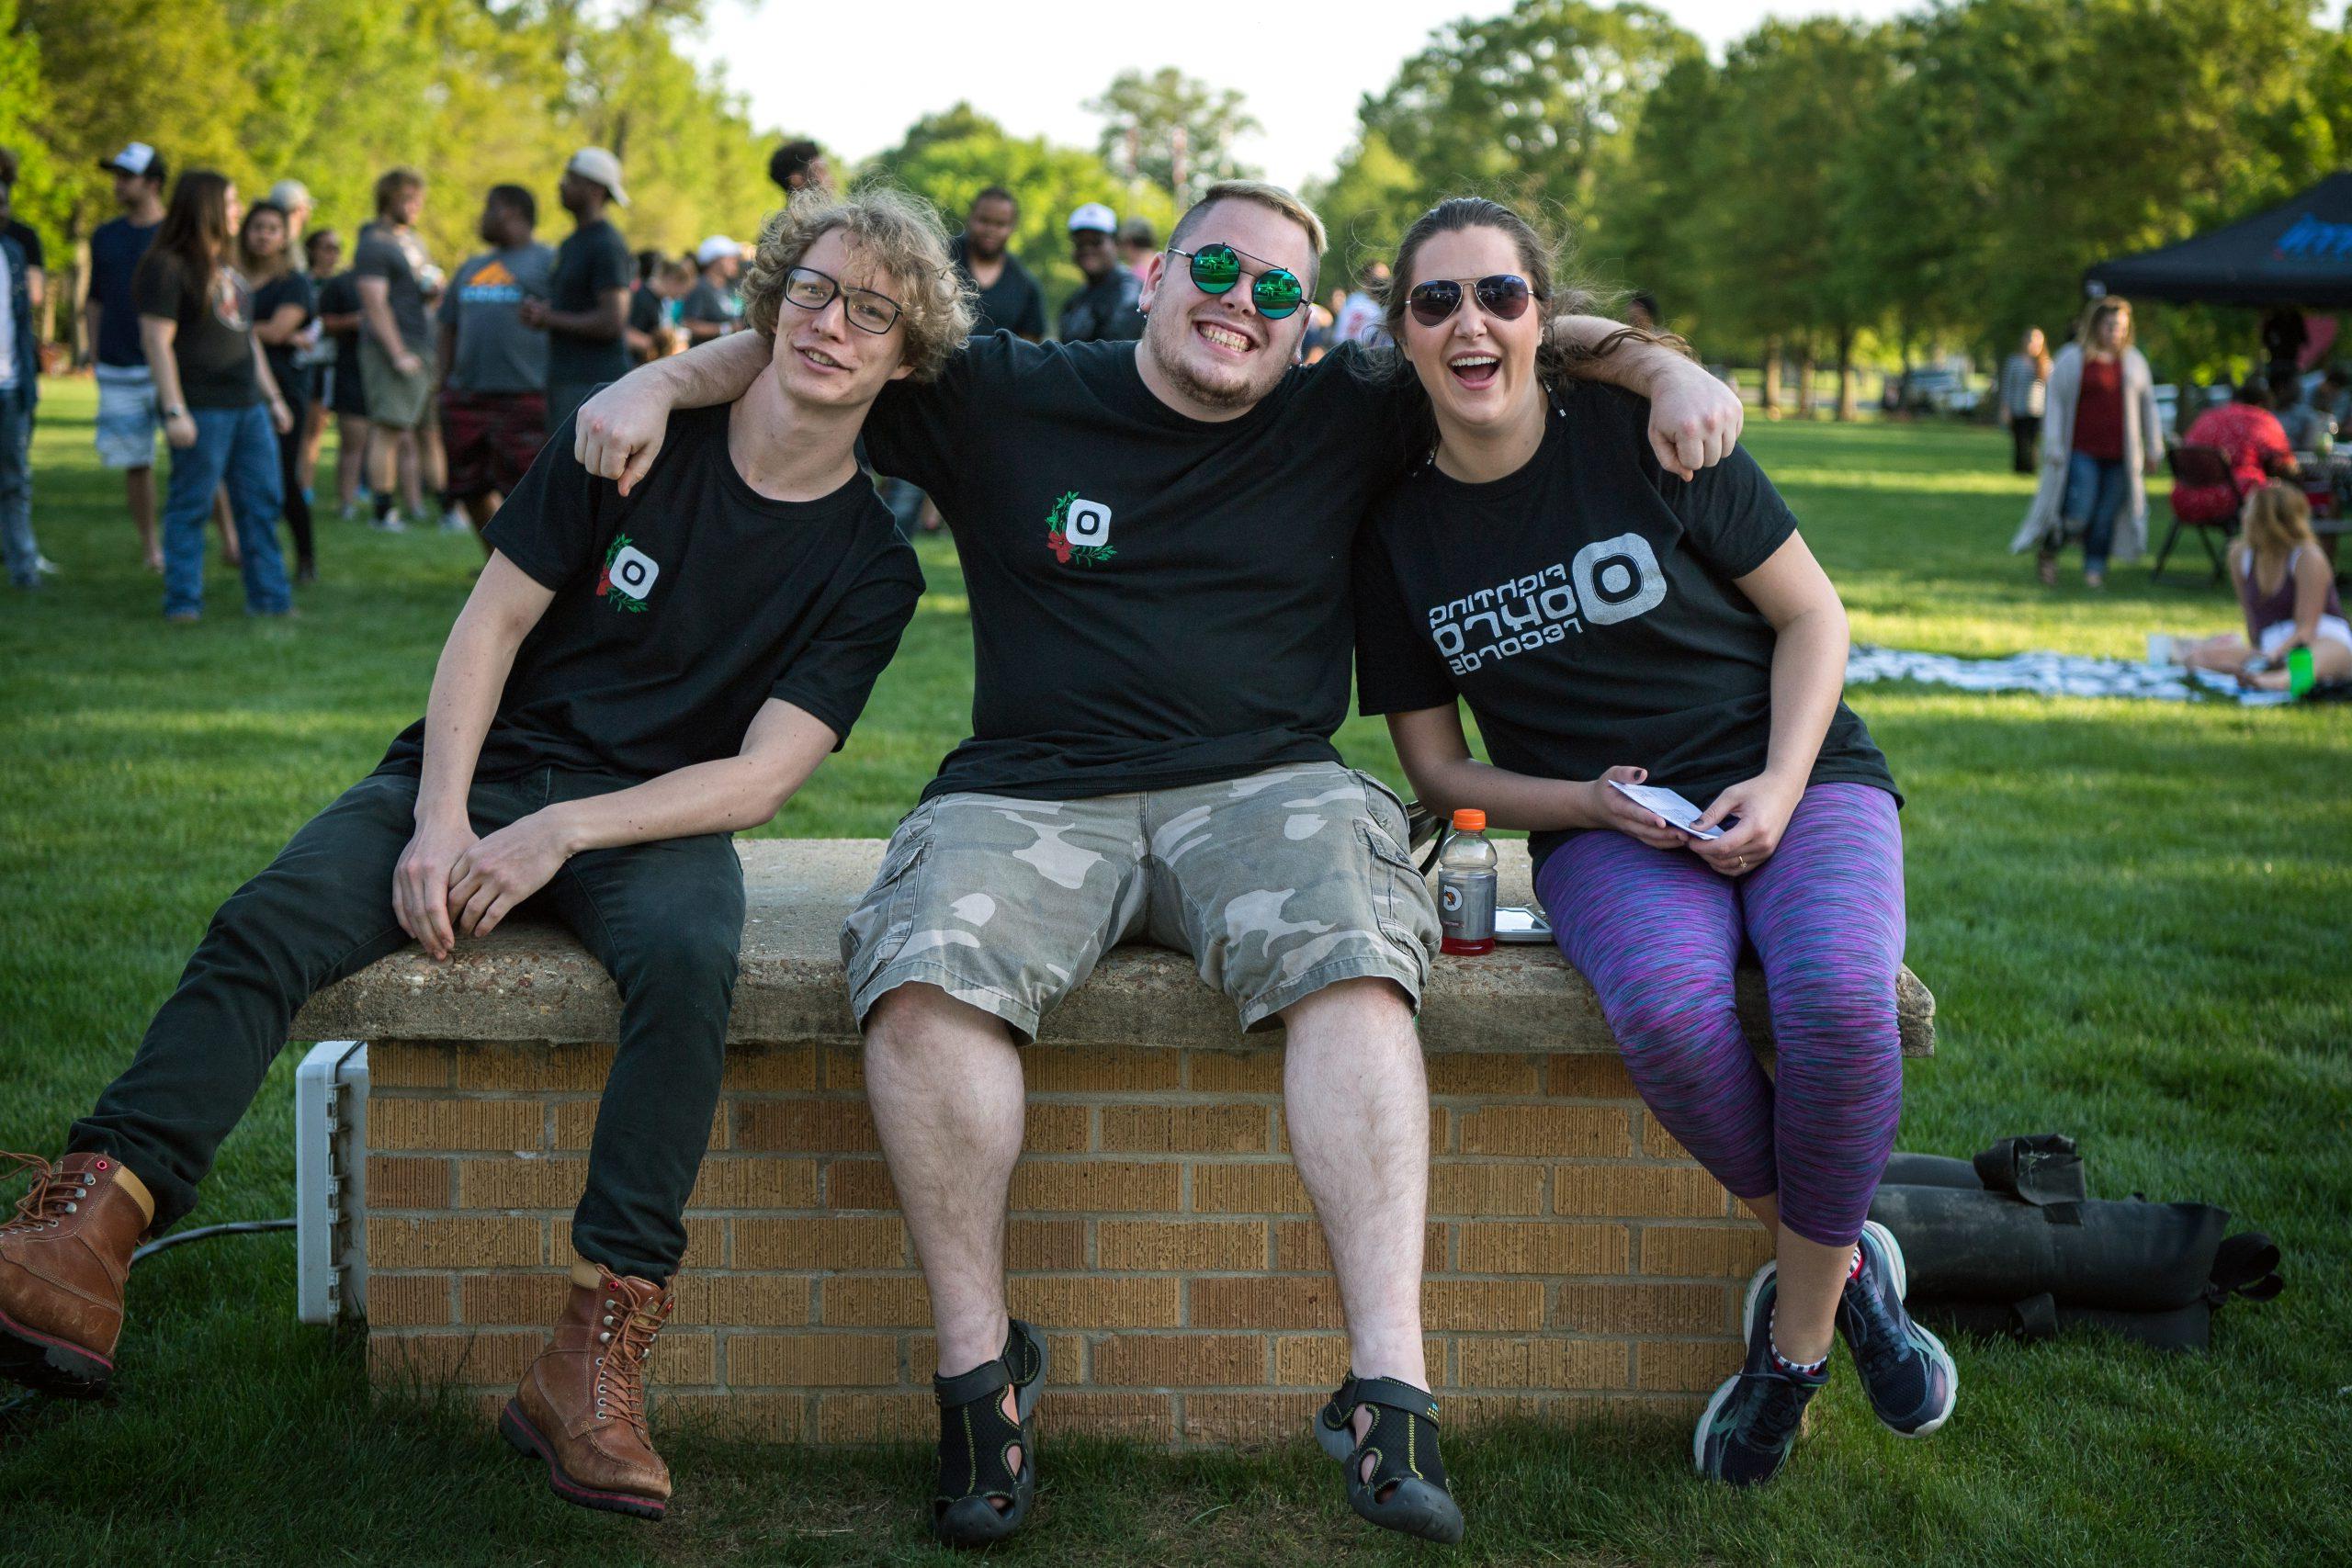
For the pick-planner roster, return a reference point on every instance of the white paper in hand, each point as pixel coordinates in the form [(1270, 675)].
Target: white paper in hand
[(1670, 805)]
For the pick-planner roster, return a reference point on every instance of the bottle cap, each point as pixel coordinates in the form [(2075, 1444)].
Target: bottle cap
[(1469, 820)]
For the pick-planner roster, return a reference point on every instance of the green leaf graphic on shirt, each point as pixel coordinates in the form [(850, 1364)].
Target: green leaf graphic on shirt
[(620, 599), (1057, 537)]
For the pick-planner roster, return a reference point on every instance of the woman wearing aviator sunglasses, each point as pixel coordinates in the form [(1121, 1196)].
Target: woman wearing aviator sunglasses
[(1609, 624)]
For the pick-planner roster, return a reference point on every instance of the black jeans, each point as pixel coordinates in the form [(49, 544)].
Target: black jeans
[(664, 917), (296, 506), (2025, 436)]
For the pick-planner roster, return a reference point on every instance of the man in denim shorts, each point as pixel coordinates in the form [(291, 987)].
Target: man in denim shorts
[(1155, 540)]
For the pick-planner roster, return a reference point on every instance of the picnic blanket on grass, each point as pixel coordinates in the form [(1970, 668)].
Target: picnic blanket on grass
[(2060, 676)]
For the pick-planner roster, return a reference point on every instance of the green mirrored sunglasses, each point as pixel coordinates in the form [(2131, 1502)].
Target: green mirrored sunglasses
[(1275, 293)]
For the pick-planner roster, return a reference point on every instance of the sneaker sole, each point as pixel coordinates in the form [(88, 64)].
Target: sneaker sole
[(526, 1441), (49, 1364), (1902, 1270)]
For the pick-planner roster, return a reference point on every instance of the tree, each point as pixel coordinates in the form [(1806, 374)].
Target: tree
[(1173, 130), (1536, 106), (1365, 207)]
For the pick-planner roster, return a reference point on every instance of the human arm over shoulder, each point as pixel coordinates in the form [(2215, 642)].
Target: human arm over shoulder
[(1694, 419)]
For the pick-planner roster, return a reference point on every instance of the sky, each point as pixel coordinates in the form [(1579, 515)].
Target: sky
[(856, 80)]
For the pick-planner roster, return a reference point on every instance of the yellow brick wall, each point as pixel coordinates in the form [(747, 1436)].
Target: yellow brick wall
[(1580, 1264)]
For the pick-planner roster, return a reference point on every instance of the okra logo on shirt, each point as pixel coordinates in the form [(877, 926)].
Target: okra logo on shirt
[(1609, 580), (1078, 530), (629, 576)]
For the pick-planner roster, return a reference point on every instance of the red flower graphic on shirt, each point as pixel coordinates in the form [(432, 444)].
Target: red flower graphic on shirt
[(1057, 541)]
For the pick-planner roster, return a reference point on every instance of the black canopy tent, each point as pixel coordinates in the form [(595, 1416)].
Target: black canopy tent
[(2298, 252)]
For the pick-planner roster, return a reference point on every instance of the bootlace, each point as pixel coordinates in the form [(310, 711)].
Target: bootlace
[(54, 1195), (620, 1378)]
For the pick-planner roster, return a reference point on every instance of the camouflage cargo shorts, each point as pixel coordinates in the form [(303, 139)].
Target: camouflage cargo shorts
[(1277, 884)]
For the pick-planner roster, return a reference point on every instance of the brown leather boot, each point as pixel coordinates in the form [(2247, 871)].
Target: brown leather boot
[(63, 1261), (582, 1405)]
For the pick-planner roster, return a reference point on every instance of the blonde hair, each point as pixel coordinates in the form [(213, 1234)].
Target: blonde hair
[(1274, 198), (2097, 310), (896, 233), (2278, 520)]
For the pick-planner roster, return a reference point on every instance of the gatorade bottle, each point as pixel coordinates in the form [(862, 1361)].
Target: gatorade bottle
[(2299, 676), (1465, 886)]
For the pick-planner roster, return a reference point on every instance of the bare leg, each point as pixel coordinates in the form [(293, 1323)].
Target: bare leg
[(383, 458), (1357, 1101), (2227, 653), (139, 488), (352, 440), (432, 467), (1812, 1279), (231, 551), (411, 477), (945, 1085)]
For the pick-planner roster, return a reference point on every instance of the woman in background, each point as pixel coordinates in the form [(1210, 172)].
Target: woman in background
[(284, 307), (2287, 591), (2025, 381), (2100, 435)]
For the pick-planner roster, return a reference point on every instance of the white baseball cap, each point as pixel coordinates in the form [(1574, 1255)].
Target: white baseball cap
[(595, 163), (1094, 218), (135, 158), (715, 247), (291, 194)]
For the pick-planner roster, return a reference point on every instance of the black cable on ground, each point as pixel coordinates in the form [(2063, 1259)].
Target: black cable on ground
[(238, 1227)]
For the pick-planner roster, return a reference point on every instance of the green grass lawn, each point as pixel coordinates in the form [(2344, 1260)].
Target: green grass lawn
[(2135, 916)]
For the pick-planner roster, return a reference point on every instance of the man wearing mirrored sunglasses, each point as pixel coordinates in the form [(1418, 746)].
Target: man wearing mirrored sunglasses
[(1155, 540)]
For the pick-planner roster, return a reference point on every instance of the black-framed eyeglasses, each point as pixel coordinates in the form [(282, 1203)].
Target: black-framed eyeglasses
[(867, 309), (1275, 293), (1502, 295)]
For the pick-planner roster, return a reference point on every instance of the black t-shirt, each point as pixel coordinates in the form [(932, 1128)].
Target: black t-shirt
[(27, 242), (1586, 608), (339, 296), (287, 288), (590, 264), (1103, 310), (1155, 601), (214, 346), (683, 607), (1012, 303)]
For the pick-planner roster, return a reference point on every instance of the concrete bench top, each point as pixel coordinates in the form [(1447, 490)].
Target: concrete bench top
[(530, 981)]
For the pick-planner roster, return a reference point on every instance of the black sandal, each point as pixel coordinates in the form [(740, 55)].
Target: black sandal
[(1407, 1491), (976, 1442)]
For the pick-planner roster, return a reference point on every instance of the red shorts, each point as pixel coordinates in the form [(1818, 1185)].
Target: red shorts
[(490, 438)]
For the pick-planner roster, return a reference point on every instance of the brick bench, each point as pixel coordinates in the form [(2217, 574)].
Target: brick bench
[(1578, 1260)]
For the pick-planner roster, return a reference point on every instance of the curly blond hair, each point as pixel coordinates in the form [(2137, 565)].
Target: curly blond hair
[(896, 232)]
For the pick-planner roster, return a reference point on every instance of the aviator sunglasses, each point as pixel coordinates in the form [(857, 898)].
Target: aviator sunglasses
[(1276, 292), (1503, 296)]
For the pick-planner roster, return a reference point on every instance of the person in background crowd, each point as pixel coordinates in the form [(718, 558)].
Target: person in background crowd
[(340, 319), (585, 314), (2287, 591), (1319, 339), (2302, 419), (1104, 310), (221, 407), (396, 350), (1138, 243), (2284, 334), (2099, 436), (321, 253), (1009, 298), (1641, 310), (656, 319), (1712, 664), (712, 307), (28, 241), (127, 417), (797, 165), (2335, 396), (493, 402), (293, 199), (284, 306), (2025, 382), (19, 391), (2248, 436), (1358, 317)]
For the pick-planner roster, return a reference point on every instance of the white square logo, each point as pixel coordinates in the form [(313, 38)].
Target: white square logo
[(1087, 524), (634, 572)]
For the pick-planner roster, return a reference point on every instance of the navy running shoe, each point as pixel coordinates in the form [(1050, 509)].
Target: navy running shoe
[(1747, 1428), (1905, 1370)]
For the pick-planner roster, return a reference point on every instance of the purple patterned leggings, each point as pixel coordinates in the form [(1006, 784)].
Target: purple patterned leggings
[(1657, 932)]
